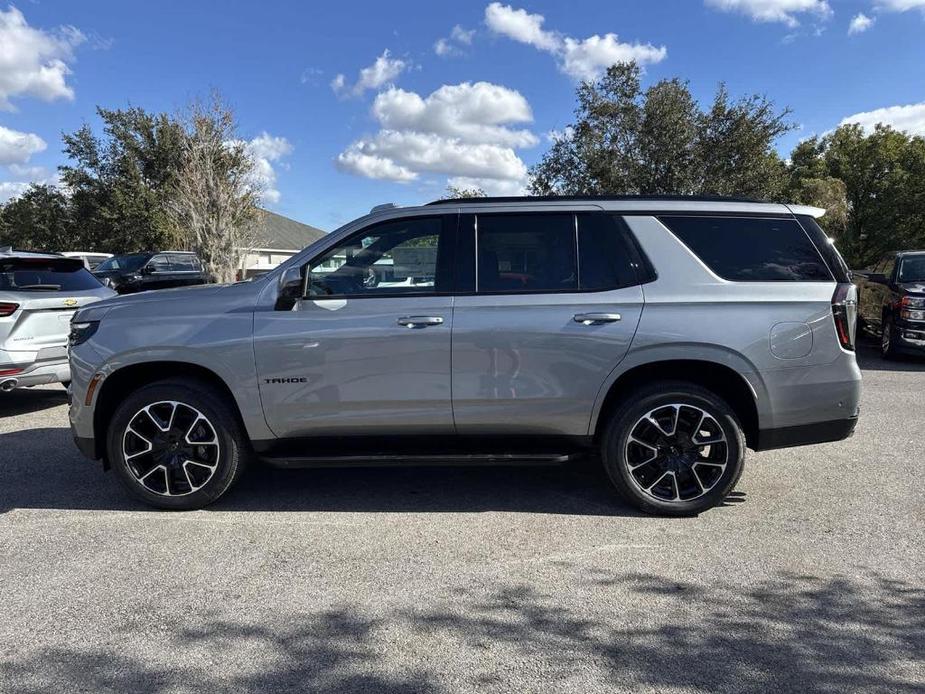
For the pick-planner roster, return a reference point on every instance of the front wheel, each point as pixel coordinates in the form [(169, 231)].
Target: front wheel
[(888, 339), (176, 445), (674, 449)]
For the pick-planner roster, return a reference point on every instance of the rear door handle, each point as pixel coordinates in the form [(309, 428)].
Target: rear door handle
[(419, 321), (592, 318)]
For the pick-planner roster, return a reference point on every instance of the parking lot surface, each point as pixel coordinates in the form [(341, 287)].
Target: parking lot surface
[(809, 579)]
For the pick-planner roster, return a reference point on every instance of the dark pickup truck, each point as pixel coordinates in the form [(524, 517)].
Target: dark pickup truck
[(140, 272), (891, 302)]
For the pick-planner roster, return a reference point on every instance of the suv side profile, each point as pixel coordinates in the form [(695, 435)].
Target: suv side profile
[(140, 272), (666, 335)]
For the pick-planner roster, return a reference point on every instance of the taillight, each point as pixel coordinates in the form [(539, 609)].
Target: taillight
[(7, 309), (845, 313)]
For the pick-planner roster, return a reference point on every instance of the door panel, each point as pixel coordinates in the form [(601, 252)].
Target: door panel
[(346, 366), (523, 364)]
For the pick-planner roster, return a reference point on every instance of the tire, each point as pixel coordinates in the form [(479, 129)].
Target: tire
[(637, 451), (195, 468), (888, 339)]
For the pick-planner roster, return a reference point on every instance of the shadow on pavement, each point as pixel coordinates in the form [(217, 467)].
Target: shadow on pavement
[(786, 633), (26, 400), (869, 359), (41, 468)]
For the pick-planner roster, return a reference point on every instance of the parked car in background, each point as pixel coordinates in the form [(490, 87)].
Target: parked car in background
[(891, 302), (90, 259), (664, 334), (38, 295), (139, 272)]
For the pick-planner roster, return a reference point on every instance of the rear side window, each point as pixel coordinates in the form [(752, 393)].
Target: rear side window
[(38, 275), (752, 249), (605, 258), (183, 263), (526, 253)]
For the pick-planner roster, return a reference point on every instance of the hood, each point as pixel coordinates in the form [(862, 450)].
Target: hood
[(913, 287), (177, 294)]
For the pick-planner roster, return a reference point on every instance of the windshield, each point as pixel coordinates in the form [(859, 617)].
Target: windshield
[(48, 275), (912, 269), (125, 263)]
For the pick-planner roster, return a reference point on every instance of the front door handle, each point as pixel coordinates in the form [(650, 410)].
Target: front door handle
[(419, 321), (592, 318)]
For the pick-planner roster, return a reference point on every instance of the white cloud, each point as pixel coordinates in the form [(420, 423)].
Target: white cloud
[(860, 23), (581, 59), (473, 113), (491, 186), (784, 11), (900, 5), (12, 189), (452, 45), (34, 62), (381, 72), (910, 119), (461, 131), (265, 150), (17, 147)]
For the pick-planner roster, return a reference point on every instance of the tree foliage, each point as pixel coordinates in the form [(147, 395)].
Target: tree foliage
[(659, 141)]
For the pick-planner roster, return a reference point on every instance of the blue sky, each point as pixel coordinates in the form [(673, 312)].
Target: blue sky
[(418, 103)]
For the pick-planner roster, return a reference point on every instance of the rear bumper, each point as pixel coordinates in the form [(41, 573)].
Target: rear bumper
[(806, 434), (48, 365)]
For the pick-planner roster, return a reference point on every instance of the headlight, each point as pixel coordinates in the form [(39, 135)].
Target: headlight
[(912, 315), (81, 332), (913, 302)]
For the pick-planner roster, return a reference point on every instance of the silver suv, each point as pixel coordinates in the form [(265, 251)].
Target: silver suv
[(39, 293), (666, 335)]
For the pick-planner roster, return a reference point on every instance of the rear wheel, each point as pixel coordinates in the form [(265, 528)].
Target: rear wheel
[(176, 445), (888, 339), (674, 448)]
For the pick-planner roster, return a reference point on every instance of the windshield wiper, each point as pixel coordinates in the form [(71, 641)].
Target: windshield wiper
[(41, 287)]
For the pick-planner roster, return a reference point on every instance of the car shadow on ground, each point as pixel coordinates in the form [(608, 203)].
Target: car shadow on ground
[(41, 468), (787, 632), (27, 400), (869, 359)]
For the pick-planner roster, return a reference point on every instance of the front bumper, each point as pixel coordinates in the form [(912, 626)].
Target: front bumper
[(910, 337)]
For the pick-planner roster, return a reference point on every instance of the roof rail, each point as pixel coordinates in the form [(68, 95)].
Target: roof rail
[(383, 207), (554, 198)]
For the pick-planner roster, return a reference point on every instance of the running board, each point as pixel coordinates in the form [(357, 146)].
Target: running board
[(461, 460)]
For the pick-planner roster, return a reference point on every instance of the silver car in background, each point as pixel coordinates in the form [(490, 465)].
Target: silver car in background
[(39, 294), (662, 335)]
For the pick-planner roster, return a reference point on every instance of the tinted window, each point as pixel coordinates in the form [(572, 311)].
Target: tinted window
[(393, 258), (912, 269), (749, 249), (833, 258), (183, 263), (604, 255), (526, 253), (36, 275), (158, 263), (125, 263)]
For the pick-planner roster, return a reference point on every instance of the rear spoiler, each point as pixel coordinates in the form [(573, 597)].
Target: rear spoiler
[(807, 210)]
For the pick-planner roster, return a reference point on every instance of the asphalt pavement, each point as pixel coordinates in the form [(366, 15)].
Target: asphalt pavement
[(810, 578)]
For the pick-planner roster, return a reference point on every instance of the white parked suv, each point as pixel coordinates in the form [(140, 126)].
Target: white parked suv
[(38, 295)]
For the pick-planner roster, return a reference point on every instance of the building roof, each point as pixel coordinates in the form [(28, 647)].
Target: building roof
[(281, 233)]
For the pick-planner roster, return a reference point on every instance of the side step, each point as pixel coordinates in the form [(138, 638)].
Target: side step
[(462, 460)]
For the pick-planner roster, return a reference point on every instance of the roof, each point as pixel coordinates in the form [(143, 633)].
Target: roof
[(278, 232), (609, 198), (8, 252)]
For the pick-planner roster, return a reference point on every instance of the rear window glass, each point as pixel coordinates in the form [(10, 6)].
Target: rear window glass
[(751, 249), (833, 258), (37, 275)]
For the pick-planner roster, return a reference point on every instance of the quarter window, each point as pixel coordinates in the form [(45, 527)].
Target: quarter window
[(748, 249), (394, 258)]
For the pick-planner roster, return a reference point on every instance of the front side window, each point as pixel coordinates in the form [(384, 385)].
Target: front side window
[(526, 253), (394, 258), (751, 249), (158, 263), (912, 269), (124, 263)]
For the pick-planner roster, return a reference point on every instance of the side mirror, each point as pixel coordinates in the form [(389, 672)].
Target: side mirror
[(291, 285)]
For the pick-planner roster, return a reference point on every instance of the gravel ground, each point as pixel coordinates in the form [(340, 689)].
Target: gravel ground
[(809, 579)]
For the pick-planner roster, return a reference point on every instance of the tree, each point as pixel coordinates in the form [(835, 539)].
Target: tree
[(118, 183), (454, 193), (38, 219), (627, 141), (213, 197)]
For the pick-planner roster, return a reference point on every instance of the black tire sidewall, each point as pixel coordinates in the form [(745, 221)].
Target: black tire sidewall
[(648, 399), (203, 398)]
